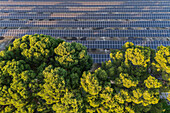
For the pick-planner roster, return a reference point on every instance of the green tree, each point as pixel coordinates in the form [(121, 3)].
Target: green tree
[(40, 74), (73, 57), (33, 79), (136, 87), (161, 66), (57, 94)]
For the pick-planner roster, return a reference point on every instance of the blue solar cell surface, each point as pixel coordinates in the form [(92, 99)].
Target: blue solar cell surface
[(100, 44), (16, 23), (85, 16), (98, 58), (74, 10), (70, 10), (120, 1), (89, 0), (89, 3), (88, 33), (79, 5)]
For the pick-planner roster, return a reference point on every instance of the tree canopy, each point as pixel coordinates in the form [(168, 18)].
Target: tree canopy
[(41, 74)]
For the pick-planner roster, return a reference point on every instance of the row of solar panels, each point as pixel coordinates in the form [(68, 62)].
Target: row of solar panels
[(16, 23), (82, 10), (106, 3), (87, 33), (99, 7), (98, 58), (79, 1), (134, 1), (75, 6), (83, 16), (80, 5), (100, 44), (87, 0)]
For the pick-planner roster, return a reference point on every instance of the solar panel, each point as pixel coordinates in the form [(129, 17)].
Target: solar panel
[(83, 9), (78, 9), (87, 33), (98, 58), (78, 5), (86, 3), (84, 16), (16, 23), (100, 44), (89, 0)]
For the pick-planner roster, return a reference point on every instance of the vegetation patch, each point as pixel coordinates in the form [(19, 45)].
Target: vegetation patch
[(41, 74)]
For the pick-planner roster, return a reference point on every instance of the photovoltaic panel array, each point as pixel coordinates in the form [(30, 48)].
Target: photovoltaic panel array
[(84, 16), (16, 23), (82, 9), (89, 18), (98, 58), (88, 5), (100, 44), (88, 0), (87, 33)]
